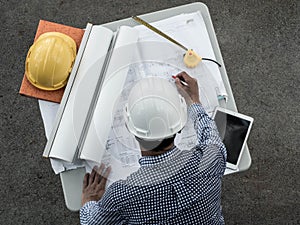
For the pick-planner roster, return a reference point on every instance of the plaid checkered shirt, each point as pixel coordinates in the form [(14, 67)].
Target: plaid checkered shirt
[(177, 187)]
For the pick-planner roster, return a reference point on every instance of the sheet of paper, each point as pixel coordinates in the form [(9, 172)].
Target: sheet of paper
[(122, 150), (189, 30), (164, 60)]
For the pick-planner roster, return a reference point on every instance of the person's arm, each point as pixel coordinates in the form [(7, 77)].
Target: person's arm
[(101, 212), (207, 133), (97, 205), (94, 184)]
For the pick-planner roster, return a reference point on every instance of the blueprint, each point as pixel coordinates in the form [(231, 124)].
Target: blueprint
[(122, 150)]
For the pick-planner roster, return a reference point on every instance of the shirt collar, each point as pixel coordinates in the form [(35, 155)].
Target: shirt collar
[(152, 160)]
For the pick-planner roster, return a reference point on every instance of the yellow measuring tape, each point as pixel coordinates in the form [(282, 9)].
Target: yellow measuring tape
[(143, 22), (191, 58)]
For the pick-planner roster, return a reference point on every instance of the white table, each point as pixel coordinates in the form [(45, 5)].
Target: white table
[(72, 179)]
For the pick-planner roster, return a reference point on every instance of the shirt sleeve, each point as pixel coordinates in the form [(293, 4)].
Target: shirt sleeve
[(207, 133), (105, 211)]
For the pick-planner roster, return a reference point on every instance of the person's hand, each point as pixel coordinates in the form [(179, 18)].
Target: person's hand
[(94, 184), (190, 92)]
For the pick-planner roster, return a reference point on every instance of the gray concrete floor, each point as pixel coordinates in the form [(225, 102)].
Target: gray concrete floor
[(260, 44)]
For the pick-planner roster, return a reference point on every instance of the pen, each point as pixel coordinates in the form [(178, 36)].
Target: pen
[(181, 81)]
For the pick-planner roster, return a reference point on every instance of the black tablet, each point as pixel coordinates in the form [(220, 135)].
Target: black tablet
[(234, 129)]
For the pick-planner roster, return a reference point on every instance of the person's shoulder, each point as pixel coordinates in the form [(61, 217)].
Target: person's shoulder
[(126, 186)]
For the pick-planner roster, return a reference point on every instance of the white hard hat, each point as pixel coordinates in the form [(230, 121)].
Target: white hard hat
[(155, 110)]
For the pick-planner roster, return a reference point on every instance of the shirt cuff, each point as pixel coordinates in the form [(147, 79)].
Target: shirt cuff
[(89, 204), (194, 110)]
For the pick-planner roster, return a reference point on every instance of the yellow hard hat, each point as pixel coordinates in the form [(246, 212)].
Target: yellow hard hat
[(49, 61)]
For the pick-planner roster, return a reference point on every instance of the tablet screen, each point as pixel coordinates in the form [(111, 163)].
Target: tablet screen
[(233, 131)]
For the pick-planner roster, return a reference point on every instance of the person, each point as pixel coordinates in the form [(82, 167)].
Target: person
[(172, 186)]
